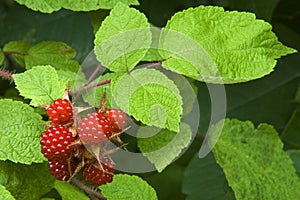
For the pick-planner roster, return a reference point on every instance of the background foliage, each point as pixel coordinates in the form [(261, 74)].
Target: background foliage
[(272, 99)]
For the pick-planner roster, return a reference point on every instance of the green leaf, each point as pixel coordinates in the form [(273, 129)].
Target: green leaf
[(162, 146), (126, 187), (5, 194), (68, 191), (18, 49), (74, 79), (20, 130), (254, 162), (57, 54), (204, 179), (291, 133), (93, 96), (123, 39), (153, 53), (209, 44), (40, 84), (26, 181), (51, 6), (295, 156), (149, 96), (2, 57)]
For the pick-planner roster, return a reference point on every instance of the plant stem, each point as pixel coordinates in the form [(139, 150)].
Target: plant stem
[(87, 87), (14, 52), (153, 65), (94, 74), (89, 191), (6, 75)]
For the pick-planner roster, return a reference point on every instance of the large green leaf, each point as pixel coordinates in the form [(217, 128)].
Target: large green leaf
[(40, 84), (123, 39), (57, 54), (26, 181), (254, 162), (128, 187), (149, 96), (209, 44), (162, 146), (51, 6), (20, 130), (68, 191), (204, 179), (5, 194)]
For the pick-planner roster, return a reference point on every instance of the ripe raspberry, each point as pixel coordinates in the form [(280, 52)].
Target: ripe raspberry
[(60, 111), (56, 142), (94, 175), (60, 169), (117, 119), (94, 129)]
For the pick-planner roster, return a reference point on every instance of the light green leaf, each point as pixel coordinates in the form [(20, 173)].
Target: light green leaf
[(57, 54), (162, 146), (26, 181), (18, 49), (149, 96), (2, 57), (68, 191), (123, 39), (253, 161), (5, 194), (204, 179), (51, 6), (93, 96), (40, 84), (126, 187), (209, 44), (20, 130)]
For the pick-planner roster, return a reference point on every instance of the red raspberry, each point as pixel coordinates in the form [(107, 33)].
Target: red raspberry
[(56, 142), (60, 169), (94, 175), (60, 111), (94, 129), (117, 119)]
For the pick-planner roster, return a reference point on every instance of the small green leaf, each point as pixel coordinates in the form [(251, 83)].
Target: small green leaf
[(2, 57), (51, 6), (123, 39), (93, 96), (68, 191), (40, 84), (126, 187), (20, 130), (254, 162), (5, 194), (165, 146), (57, 54), (149, 96), (209, 44), (26, 181), (204, 179), (18, 49)]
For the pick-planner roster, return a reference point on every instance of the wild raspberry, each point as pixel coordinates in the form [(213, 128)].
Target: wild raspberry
[(61, 170), (94, 175), (56, 142), (117, 119), (60, 111), (94, 129)]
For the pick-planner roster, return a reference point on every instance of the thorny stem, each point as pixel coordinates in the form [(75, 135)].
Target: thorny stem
[(94, 74), (92, 193), (153, 65), (89, 86), (6, 75)]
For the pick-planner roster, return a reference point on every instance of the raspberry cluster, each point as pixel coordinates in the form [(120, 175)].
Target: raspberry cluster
[(63, 142)]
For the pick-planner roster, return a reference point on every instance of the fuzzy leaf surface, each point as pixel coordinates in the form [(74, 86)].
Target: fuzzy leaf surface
[(209, 44), (150, 97), (254, 162), (20, 130), (26, 181), (126, 187), (162, 148), (51, 6), (40, 84), (123, 39)]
